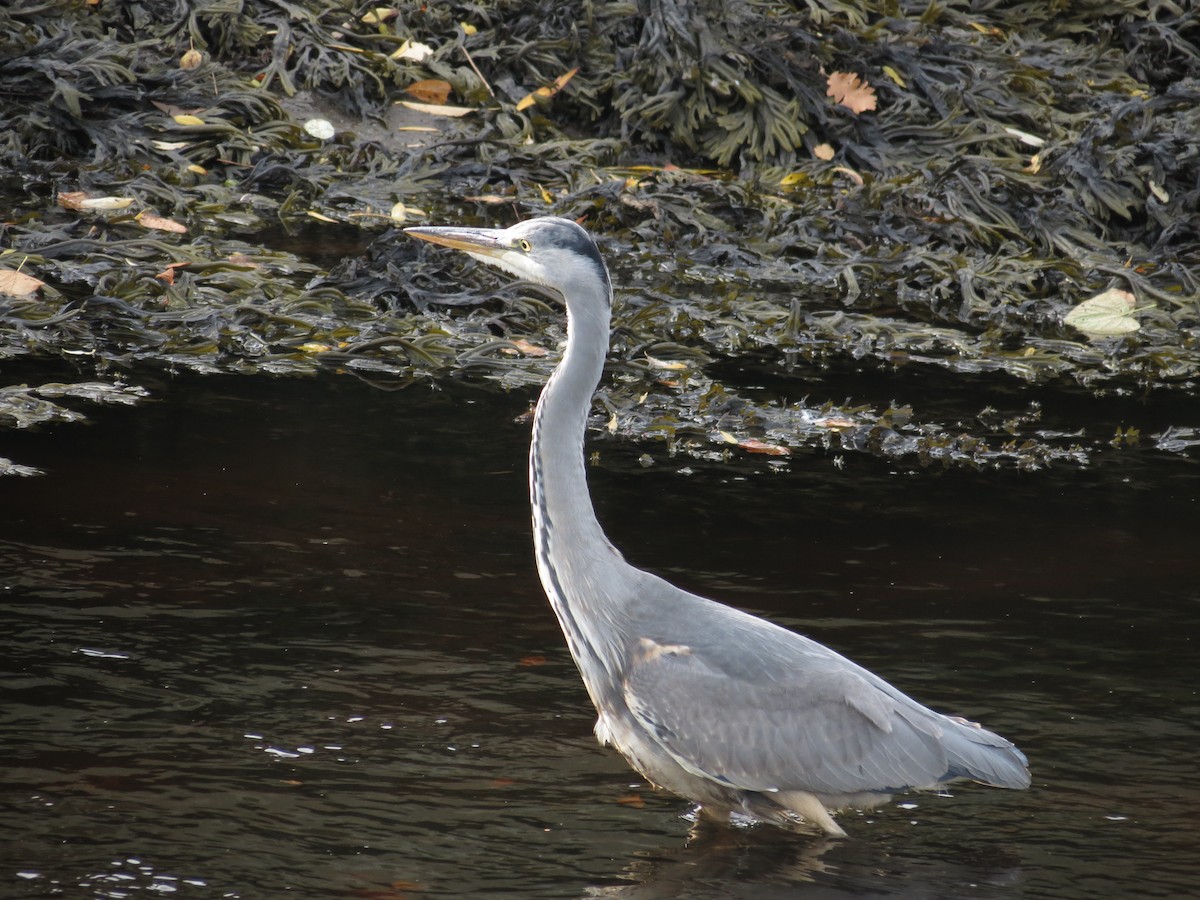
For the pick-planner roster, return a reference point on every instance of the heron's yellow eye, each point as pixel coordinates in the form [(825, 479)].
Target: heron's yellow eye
[(524, 245)]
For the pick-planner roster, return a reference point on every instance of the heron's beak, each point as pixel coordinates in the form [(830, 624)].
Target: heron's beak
[(482, 242)]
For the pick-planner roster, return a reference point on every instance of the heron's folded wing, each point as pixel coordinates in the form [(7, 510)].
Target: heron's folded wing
[(822, 727)]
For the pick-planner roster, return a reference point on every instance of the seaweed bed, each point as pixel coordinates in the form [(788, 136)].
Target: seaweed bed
[(170, 204)]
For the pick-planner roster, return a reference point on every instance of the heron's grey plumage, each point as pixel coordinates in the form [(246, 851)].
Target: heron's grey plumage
[(707, 701)]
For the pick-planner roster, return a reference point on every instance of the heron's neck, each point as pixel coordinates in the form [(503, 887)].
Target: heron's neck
[(580, 569)]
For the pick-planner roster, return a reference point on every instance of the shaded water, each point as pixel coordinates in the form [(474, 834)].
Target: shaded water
[(286, 636)]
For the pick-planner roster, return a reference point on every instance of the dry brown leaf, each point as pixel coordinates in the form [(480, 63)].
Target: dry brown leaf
[(529, 349), (634, 800), (168, 274), (754, 445), (18, 284), (850, 91), (535, 659), (836, 422), (546, 92), (71, 199), (436, 109), (431, 90), (823, 152), (159, 223), (488, 198)]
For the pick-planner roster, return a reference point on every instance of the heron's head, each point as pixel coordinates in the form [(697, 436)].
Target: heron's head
[(549, 251)]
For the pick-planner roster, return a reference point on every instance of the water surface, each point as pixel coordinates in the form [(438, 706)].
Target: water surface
[(265, 637)]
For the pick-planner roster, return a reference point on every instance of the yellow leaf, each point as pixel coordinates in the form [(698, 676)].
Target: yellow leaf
[(850, 91), (187, 119), (894, 75), (314, 347), (547, 197), (546, 92), (191, 59), (468, 28)]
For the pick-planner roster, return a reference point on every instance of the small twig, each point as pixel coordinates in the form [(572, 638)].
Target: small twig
[(463, 48)]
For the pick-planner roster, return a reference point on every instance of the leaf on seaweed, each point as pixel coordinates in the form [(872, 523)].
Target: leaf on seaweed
[(159, 223), (18, 284), (1106, 314), (430, 90), (545, 93), (850, 91), (437, 109)]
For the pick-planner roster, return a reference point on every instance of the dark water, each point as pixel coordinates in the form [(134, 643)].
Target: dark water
[(285, 637)]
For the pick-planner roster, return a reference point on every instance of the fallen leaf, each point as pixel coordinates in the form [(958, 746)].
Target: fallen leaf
[(413, 51), (321, 217), (322, 129), (535, 659), (850, 173), (850, 91), (546, 92), (634, 800), (501, 782), (823, 151), (379, 15), (435, 109), (1106, 314), (80, 200), (431, 90), (835, 422), (528, 348), (191, 59), (672, 365), (314, 347), (1025, 137), (399, 213), (168, 146), (753, 445), (895, 76), (168, 274), (488, 198), (18, 284), (159, 223), (468, 28), (187, 119)]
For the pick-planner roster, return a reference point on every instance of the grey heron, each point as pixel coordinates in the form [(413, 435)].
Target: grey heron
[(711, 703)]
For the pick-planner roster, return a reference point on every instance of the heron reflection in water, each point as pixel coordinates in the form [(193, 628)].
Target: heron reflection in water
[(711, 703)]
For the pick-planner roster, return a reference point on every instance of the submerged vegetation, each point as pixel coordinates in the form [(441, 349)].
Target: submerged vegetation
[(784, 190)]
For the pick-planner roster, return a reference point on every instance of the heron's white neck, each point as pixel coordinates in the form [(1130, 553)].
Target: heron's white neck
[(580, 570)]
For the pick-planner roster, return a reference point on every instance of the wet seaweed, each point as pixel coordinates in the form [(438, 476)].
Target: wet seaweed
[(1021, 159)]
